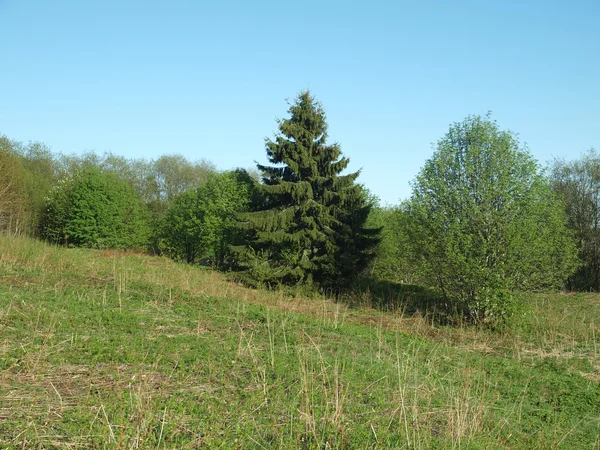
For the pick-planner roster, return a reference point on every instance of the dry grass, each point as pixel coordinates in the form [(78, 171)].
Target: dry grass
[(266, 368)]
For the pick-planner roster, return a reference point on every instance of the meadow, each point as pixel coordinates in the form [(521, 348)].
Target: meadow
[(121, 350)]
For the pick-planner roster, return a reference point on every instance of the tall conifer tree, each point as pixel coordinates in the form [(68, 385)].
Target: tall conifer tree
[(310, 228)]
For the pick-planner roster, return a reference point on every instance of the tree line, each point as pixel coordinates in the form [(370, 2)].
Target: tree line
[(484, 222)]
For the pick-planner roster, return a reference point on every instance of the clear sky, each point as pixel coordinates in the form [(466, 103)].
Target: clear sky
[(209, 79)]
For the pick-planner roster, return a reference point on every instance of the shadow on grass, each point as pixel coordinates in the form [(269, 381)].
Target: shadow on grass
[(411, 299), (380, 295)]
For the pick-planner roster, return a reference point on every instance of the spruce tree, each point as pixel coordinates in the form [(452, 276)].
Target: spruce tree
[(310, 227)]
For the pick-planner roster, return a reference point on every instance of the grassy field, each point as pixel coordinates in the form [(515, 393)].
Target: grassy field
[(102, 349)]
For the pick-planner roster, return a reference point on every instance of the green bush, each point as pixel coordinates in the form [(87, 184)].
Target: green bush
[(200, 223), (95, 209)]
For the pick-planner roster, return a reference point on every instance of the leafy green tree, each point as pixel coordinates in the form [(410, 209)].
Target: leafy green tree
[(578, 184), (200, 223), (394, 257), (486, 222), (37, 174), (42, 174), (311, 226), (174, 175), (163, 181), (56, 214), (95, 209), (180, 230), (157, 182), (74, 163), (13, 188)]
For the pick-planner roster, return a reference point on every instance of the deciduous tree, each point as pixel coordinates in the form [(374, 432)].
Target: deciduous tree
[(13, 191), (200, 223), (95, 209), (578, 184), (486, 221)]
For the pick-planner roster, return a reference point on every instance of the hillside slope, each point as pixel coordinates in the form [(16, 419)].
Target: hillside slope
[(103, 349)]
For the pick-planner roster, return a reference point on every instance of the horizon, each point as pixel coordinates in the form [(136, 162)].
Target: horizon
[(209, 81)]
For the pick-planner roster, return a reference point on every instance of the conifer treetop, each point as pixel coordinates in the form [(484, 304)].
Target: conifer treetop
[(308, 221)]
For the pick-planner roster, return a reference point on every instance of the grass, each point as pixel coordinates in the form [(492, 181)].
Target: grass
[(102, 349)]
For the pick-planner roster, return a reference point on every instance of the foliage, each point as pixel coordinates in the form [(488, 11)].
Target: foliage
[(42, 174), (95, 209), (13, 186), (34, 171), (200, 224), (395, 259), (486, 222), (157, 182), (311, 227), (175, 175), (578, 184)]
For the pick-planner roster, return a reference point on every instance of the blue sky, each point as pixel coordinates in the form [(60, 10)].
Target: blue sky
[(209, 79)]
